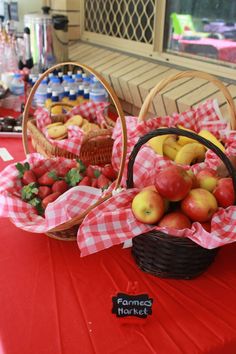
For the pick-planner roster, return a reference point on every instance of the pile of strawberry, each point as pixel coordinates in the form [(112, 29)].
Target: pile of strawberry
[(41, 186)]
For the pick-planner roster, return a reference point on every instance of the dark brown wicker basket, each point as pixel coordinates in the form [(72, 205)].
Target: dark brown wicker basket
[(165, 255)]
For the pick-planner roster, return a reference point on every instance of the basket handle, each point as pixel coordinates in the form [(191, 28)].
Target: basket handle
[(163, 131), (198, 74), (112, 96)]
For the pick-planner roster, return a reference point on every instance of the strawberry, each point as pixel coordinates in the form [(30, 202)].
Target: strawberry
[(94, 183), (92, 172), (49, 199), (63, 170), (29, 177), (103, 182), (22, 168), (29, 191), (109, 172), (47, 179), (39, 171), (81, 166), (60, 186), (44, 191), (86, 181), (36, 202), (73, 177)]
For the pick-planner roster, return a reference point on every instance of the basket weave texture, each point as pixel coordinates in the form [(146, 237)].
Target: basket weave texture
[(167, 256), (96, 149), (161, 254)]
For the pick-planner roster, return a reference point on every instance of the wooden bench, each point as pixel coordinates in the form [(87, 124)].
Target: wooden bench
[(133, 77)]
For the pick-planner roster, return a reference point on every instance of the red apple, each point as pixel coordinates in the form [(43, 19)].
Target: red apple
[(148, 206), (173, 183), (224, 192), (199, 205), (176, 220), (207, 179)]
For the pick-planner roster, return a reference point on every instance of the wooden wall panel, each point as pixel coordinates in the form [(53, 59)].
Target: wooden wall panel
[(172, 96), (71, 9), (132, 78), (72, 5), (58, 4), (115, 76), (124, 80), (73, 33), (145, 77)]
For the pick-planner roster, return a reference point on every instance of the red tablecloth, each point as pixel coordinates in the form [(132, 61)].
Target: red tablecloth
[(53, 301)]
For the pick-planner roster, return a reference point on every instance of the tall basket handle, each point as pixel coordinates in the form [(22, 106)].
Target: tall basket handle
[(198, 74), (112, 96)]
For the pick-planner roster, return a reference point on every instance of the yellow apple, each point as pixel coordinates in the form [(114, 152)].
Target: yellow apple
[(148, 206), (207, 179)]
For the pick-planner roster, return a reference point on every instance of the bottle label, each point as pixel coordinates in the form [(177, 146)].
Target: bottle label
[(40, 97), (98, 97), (17, 90)]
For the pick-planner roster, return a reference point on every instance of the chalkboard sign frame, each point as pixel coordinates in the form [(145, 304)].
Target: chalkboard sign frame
[(127, 305)]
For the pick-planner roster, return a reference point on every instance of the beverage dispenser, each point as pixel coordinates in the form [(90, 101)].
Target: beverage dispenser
[(48, 37)]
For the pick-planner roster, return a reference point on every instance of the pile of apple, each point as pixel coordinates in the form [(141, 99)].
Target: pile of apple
[(180, 197)]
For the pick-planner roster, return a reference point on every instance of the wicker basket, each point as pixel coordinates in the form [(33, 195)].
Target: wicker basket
[(162, 254), (96, 148), (94, 152)]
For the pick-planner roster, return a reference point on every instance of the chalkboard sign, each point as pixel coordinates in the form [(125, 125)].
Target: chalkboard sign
[(132, 305)]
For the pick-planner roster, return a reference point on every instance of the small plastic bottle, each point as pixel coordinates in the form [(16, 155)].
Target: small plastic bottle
[(57, 87), (78, 77), (17, 86), (50, 76), (72, 84), (69, 73), (86, 95), (86, 80), (97, 91), (66, 94), (41, 93), (80, 94), (55, 99), (72, 98), (66, 98), (30, 80), (60, 75), (65, 80), (48, 101)]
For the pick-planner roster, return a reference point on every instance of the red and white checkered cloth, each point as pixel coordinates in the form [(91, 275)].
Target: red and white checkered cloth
[(24, 216), (113, 222), (147, 162), (92, 111)]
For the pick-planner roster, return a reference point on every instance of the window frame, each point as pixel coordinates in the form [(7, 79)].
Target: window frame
[(156, 51)]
